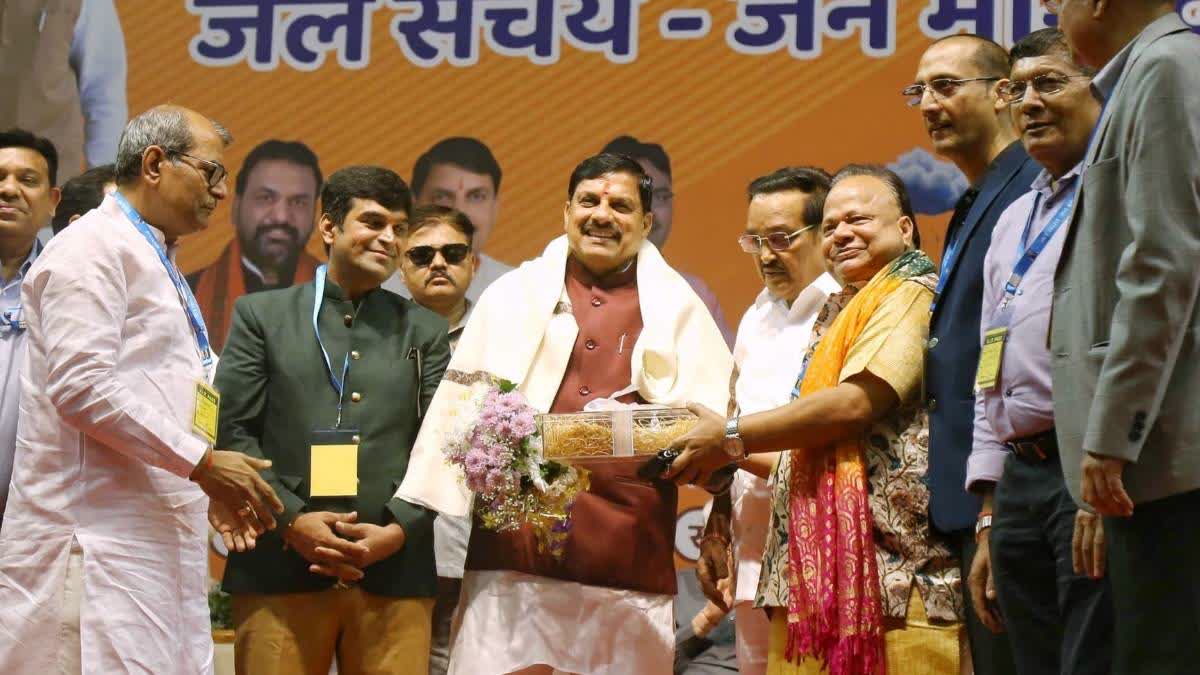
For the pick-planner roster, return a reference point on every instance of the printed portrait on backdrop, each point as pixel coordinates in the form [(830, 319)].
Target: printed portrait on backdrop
[(272, 216)]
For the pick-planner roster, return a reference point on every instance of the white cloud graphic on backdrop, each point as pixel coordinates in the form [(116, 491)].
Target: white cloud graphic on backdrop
[(933, 185)]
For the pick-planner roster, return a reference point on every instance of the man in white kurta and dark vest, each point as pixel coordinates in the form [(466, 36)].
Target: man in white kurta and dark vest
[(103, 560), (598, 315)]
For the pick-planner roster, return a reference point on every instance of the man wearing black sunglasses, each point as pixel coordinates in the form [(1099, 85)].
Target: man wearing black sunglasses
[(439, 263), (437, 268), (958, 92)]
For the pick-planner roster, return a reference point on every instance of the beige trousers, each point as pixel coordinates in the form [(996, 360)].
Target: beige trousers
[(301, 633)]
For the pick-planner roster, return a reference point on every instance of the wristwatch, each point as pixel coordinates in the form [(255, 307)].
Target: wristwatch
[(734, 447), (984, 522)]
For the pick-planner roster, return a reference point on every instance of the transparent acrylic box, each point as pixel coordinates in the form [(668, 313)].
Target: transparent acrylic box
[(612, 434)]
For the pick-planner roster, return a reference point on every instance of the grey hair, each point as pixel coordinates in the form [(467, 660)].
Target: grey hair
[(164, 126)]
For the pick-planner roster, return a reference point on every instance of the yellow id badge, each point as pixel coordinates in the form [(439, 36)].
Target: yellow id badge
[(333, 465), (990, 358), (208, 406)]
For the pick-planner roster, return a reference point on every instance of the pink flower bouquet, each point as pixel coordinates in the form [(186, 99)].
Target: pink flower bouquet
[(498, 447)]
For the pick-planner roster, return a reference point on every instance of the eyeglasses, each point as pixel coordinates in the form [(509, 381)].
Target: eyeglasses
[(778, 241), (453, 254), (662, 195), (1045, 84), (943, 87), (214, 172)]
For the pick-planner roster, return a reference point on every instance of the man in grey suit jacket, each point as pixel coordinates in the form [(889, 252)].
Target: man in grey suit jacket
[(1125, 330)]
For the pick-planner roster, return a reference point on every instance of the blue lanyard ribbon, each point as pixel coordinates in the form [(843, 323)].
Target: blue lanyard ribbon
[(190, 307), (1027, 256), (338, 384), (948, 261), (953, 248)]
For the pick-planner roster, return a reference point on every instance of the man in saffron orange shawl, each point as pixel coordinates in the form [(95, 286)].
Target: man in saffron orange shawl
[(858, 580)]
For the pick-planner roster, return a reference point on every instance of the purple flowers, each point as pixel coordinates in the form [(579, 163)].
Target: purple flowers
[(495, 441), (493, 456), (507, 416)]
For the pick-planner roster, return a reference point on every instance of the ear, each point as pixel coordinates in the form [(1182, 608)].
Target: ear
[(998, 102), (906, 230), (567, 216), (647, 222), (152, 160), (327, 228), (475, 261), (1099, 8), (55, 198)]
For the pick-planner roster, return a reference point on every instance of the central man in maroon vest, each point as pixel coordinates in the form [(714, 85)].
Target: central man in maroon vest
[(599, 315)]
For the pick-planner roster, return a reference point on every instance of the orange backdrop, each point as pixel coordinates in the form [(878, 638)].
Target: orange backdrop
[(724, 118)]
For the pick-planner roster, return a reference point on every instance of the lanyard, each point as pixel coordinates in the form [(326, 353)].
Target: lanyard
[(185, 293), (951, 254), (948, 262), (338, 385), (1028, 255)]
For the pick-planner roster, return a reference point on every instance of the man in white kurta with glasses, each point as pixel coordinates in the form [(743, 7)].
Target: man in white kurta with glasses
[(103, 562)]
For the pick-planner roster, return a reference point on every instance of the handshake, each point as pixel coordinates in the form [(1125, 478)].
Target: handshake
[(243, 506)]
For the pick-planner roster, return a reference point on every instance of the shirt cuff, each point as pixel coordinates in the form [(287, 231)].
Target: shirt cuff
[(417, 521), (293, 506), (190, 451), (986, 463)]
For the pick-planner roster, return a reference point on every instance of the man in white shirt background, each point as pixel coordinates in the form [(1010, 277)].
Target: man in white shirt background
[(28, 197), (783, 237)]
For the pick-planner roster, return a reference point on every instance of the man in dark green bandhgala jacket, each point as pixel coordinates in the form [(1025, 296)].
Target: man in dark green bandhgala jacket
[(336, 406)]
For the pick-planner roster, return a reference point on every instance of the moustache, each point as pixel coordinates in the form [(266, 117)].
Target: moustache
[(267, 228), (434, 276), (591, 228)]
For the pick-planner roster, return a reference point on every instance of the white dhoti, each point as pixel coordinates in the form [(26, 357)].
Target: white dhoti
[(511, 621)]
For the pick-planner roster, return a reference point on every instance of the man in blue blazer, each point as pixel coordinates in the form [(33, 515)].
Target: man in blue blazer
[(957, 92)]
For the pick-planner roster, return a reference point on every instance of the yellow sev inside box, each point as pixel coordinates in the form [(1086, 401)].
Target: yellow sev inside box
[(577, 435)]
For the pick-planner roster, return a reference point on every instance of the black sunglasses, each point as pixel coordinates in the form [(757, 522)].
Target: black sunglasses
[(453, 254)]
